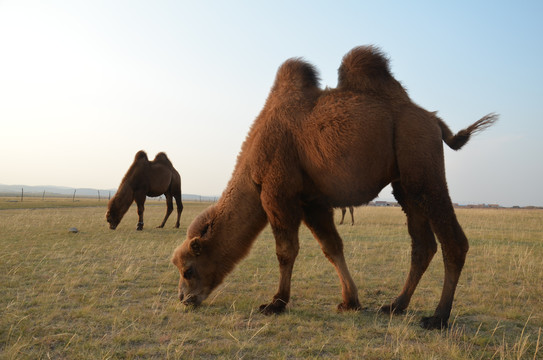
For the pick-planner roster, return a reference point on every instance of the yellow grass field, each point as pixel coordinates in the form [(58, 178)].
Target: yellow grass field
[(102, 294)]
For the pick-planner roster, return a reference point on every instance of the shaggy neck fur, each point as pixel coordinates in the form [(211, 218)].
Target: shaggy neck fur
[(122, 200), (238, 220)]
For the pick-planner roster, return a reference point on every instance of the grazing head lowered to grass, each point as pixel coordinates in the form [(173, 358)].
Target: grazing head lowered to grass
[(311, 150), (146, 178)]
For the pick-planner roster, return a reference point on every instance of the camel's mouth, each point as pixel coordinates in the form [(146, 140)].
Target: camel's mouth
[(191, 300)]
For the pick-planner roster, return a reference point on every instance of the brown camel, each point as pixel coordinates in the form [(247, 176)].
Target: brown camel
[(311, 150), (146, 178), (343, 211)]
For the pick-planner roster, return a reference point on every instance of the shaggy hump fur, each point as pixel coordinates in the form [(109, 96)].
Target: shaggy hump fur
[(141, 155), (162, 158), (297, 73), (363, 68)]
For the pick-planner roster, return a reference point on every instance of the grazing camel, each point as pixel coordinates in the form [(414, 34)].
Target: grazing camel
[(311, 150), (343, 211), (146, 178)]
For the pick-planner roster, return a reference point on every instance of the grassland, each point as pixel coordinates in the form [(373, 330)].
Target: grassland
[(102, 294)]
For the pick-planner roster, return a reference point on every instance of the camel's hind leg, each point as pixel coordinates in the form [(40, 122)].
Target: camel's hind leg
[(422, 175), (423, 248), (320, 220), (169, 209), (454, 246), (436, 207)]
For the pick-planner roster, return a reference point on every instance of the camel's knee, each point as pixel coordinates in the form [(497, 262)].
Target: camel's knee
[(287, 254), (455, 252), (331, 249), (430, 249), (423, 254), (462, 252)]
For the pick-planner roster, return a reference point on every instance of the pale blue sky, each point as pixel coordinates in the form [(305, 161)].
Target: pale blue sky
[(84, 85)]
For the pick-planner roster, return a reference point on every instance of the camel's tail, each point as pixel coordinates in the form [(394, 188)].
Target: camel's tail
[(456, 141)]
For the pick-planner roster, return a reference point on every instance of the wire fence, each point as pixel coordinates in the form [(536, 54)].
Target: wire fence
[(87, 194)]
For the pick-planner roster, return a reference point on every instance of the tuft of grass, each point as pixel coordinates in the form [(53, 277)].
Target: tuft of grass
[(102, 294)]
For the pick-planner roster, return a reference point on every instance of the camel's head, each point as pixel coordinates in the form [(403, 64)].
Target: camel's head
[(114, 214), (199, 265)]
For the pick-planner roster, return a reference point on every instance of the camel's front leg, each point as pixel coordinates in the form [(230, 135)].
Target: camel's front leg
[(287, 247), (320, 220), (140, 201), (285, 216)]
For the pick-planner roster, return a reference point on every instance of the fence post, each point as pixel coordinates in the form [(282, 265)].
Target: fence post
[(98, 195), (22, 194), (43, 196), (73, 199)]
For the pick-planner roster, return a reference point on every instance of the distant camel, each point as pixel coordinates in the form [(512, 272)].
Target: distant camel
[(343, 211), (311, 150), (146, 178)]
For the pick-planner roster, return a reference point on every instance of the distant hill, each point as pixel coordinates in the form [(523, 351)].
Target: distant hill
[(63, 191)]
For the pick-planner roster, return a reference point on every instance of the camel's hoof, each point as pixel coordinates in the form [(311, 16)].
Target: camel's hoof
[(354, 306), (433, 322), (271, 309), (391, 309)]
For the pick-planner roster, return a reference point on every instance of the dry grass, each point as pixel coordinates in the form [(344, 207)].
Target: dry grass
[(102, 294)]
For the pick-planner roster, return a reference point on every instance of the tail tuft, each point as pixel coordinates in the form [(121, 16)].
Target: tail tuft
[(457, 141)]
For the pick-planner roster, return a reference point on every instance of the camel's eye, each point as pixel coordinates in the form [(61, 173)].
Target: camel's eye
[(188, 273)]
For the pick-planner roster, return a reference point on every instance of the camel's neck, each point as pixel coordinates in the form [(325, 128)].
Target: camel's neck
[(124, 197), (240, 218)]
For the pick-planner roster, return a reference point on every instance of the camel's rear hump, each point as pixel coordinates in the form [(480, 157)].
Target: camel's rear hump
[(162, 158), (365, 69)]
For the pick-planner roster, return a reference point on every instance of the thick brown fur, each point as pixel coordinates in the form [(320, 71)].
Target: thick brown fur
[(146, 178), (311, 150)]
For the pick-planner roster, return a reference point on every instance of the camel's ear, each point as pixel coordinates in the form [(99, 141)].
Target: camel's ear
[(175, 257), (195, 246)]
